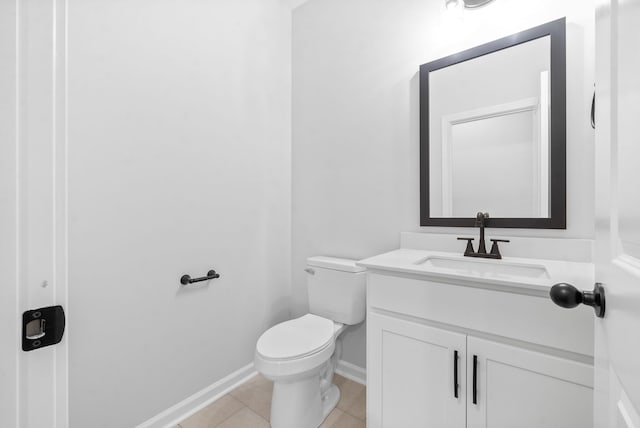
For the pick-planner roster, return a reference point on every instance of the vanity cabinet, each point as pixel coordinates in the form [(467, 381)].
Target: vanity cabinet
[(410, 379), (423, 335), (517, 387)]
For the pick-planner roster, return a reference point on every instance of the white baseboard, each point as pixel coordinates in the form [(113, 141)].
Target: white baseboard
[(173, 415), (352, 372)]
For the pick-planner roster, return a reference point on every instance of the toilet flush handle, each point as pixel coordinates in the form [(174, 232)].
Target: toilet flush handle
[(310, 271)]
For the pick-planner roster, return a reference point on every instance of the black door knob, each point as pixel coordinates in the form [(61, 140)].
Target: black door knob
[(568, 296)]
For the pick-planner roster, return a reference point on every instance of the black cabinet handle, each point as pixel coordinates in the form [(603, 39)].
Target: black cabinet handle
[(593, 111), (455, 374), (475, 379)]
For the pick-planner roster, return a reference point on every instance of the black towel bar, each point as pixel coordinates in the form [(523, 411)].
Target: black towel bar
[(186, 279)]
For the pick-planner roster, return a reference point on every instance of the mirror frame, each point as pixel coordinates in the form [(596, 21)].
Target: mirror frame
[(558, 129)]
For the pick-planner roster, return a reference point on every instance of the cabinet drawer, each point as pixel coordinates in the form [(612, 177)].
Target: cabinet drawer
[(517, 316)]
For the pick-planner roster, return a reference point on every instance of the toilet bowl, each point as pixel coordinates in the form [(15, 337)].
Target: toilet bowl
[(300, 355)]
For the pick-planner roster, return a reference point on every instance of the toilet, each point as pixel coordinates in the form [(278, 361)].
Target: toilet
[(300, 355)]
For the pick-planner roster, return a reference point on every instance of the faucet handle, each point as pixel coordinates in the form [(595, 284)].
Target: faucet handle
[(495, 251), (469, 249)]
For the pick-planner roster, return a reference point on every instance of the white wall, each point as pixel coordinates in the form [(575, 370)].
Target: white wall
[(179, 162), (355, 121)]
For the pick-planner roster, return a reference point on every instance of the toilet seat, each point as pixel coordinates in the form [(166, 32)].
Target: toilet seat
[(297, 338), (293, 348)]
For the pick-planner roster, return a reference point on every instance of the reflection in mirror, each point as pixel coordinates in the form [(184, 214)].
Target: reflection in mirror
[(493, 133), (489, 137)]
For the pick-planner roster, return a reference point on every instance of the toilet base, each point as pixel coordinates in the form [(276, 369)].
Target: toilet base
[(297, 404), (330, 400), (304, 399)]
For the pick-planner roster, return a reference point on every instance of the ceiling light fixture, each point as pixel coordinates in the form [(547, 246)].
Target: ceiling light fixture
[(468, 4), (451, 4)]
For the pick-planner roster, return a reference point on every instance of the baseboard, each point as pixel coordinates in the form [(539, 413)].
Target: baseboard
[(352, 372), (173, 415)]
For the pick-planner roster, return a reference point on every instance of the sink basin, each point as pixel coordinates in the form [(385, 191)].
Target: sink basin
[(484, 267)]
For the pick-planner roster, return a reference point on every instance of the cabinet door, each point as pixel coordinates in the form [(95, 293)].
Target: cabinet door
[(410, 375), (520, 388)]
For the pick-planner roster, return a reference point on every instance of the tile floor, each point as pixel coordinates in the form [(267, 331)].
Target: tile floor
[(249, 406)]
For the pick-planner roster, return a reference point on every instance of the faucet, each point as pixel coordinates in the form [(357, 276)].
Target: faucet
[(481, 220)]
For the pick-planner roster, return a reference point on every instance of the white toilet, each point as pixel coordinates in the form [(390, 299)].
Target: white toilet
[(300, 355)]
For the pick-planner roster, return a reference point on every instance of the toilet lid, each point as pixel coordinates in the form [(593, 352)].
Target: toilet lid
[(296, 338)]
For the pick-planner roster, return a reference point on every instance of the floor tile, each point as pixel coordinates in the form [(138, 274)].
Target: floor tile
[(256, 395), (214, 414), (359, 406), (331, 419), (245, 418), (249, 406), (345, 420), (339, 379), (350, 392)]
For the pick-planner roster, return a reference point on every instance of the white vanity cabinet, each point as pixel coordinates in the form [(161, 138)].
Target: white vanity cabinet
[(411, 374), (533, 361), (517, 387)]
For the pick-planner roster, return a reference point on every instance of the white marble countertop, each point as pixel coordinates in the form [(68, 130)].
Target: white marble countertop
[(511, 273)]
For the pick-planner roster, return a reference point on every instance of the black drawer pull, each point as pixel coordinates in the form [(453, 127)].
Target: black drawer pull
[(593, 111), (475, 379), (455, 374)]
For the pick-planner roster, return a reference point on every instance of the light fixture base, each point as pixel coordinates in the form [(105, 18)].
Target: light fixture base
[(451, 4), (471, 4)]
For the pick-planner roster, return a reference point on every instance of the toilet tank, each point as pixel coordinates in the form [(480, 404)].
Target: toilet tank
[(337, 289)]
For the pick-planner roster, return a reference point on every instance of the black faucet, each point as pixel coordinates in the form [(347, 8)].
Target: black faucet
[(481, 219)]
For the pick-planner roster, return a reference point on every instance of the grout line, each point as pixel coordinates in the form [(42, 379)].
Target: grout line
[(246, 404), (231, 415), (324, 422), (231, 393), (353, 416), (255, 413)]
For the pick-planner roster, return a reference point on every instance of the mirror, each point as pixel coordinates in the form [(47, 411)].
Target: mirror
[(492, 133)]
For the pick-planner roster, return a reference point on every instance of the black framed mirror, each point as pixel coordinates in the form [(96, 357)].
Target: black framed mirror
[(493, 133)]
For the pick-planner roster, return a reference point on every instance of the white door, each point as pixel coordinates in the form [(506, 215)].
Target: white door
[(9, 340), (517, 387), (617, 335), (411, 374), (33, 265)]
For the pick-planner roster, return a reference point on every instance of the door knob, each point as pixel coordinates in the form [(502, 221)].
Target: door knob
[(568, 296)]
